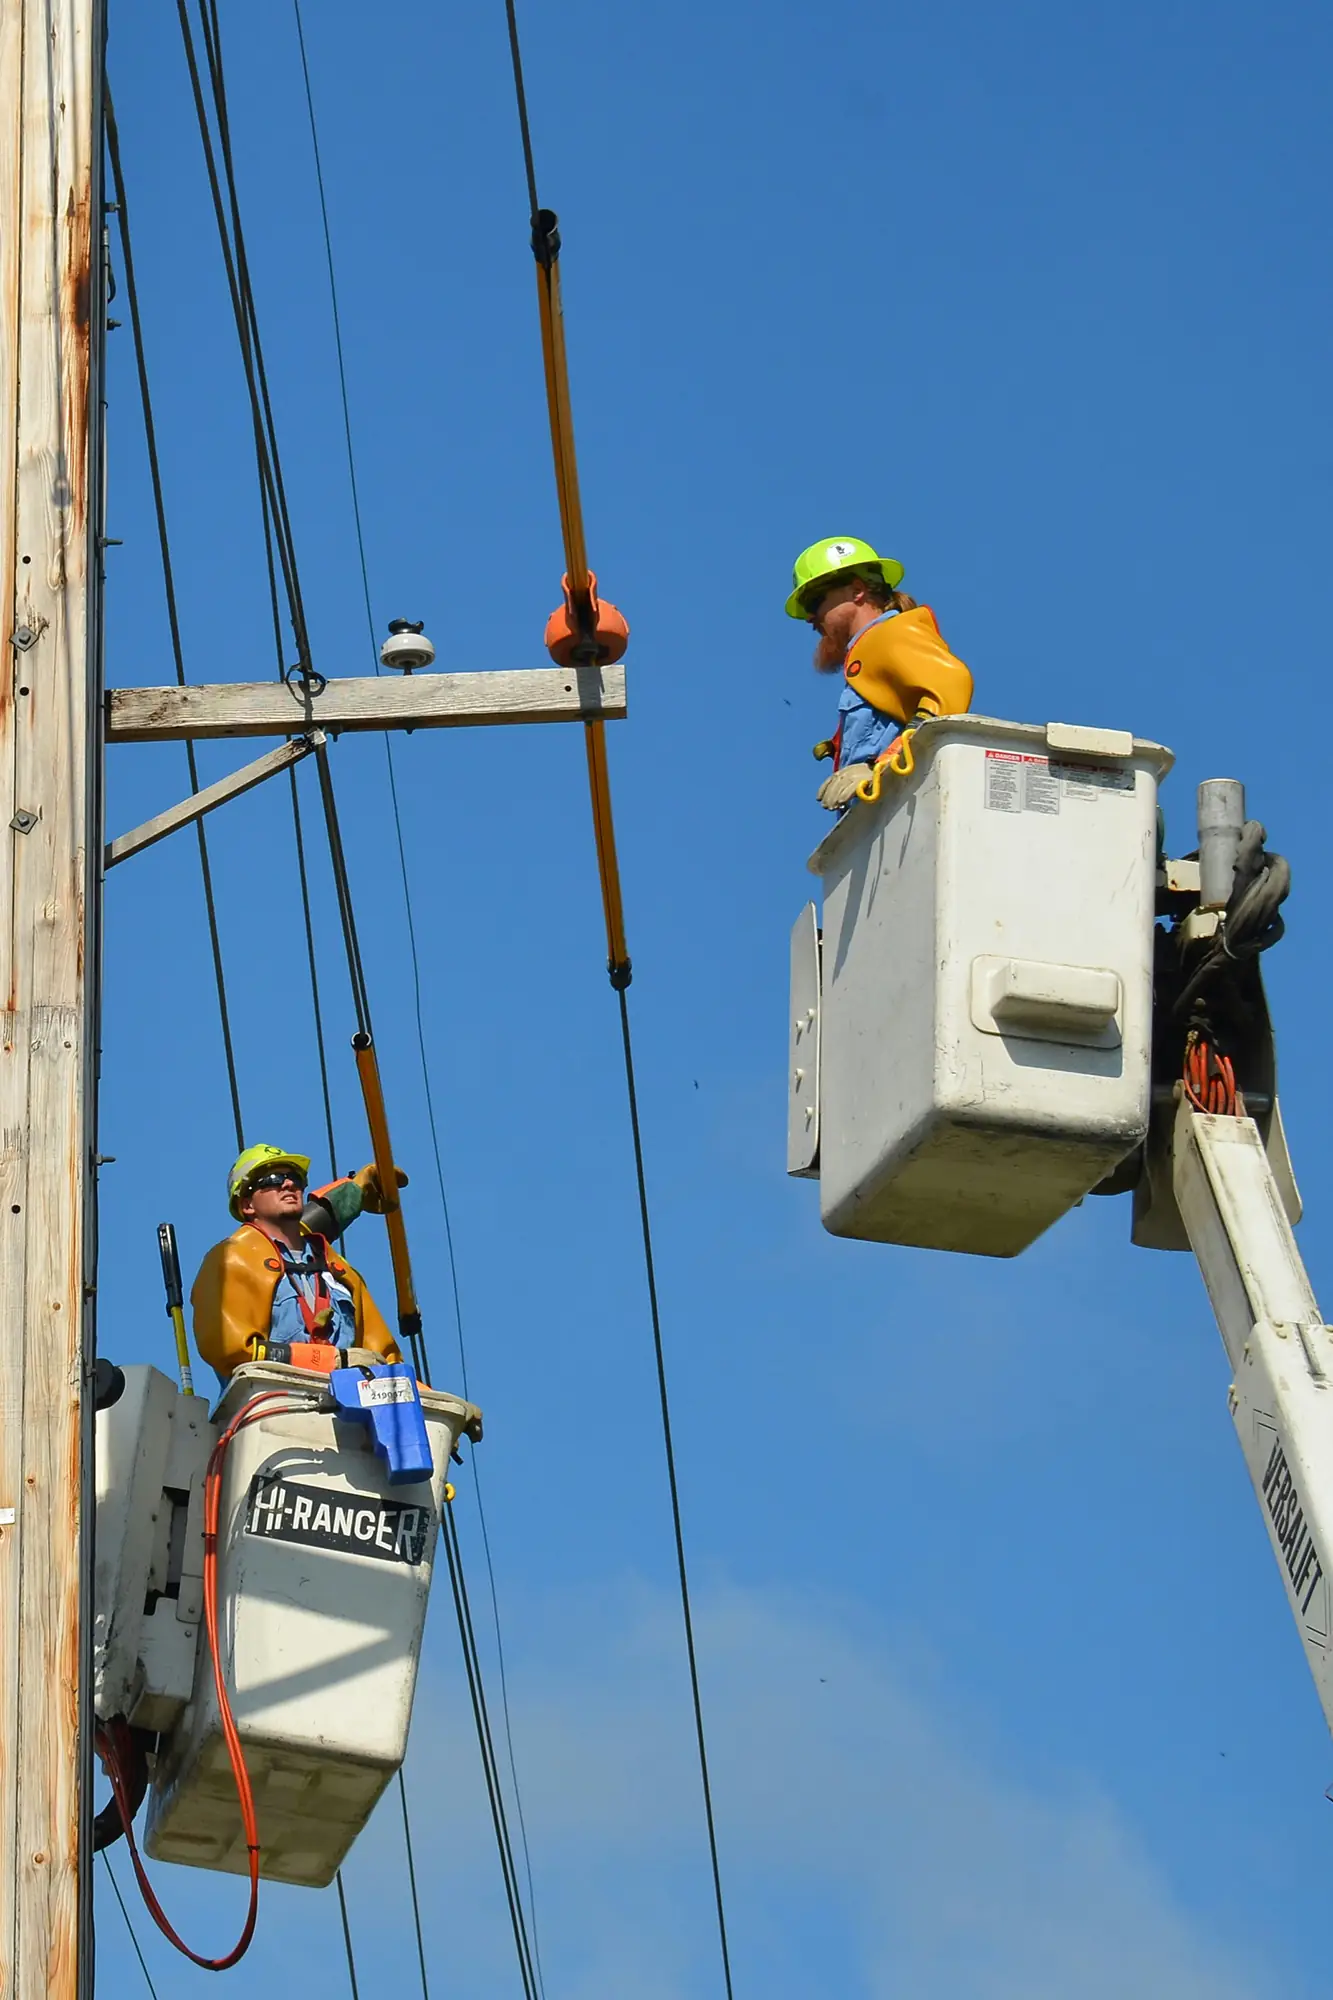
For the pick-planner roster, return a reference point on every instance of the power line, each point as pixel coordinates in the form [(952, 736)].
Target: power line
[(650, 1272), (486, 1744), (427, 1091), (298, 837), (347, 1937), (279, 539), (412, 1883), (279, 536), (169, 583), (521, 95), (342, 886), (138, 1953), (314, 978), (546, 247), (228, 217)]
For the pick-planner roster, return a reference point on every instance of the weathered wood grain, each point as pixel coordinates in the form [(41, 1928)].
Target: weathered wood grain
[(46, 195), (209, 797), (416, 701)]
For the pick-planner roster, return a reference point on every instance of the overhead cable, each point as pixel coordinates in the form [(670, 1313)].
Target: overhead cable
[(169, 585), (138, 1950), (367, 1063), (313, 967), (280, 539), (486, 1744), (227, 214), (428, 1094), (521, 96), (581, 597), (304, 679), (412, 1884), (347, 1937)]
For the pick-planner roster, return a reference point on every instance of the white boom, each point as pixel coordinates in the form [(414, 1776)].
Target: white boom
[(1281, 1356)]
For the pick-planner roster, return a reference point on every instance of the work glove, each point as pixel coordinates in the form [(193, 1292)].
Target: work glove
[(372, 1195), (364, 1357), (332, 1209), (838, 791)]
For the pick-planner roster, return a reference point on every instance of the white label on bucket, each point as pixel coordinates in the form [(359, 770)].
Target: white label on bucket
[(1093, 781), (394, 1389), (1016, 782)]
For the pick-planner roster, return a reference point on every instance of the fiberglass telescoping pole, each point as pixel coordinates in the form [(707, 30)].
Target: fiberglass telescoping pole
[(546, 250), (52, 277), (584, 613)]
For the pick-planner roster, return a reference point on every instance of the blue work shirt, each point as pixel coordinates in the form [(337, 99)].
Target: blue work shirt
[(288, 1323), (865, 730)]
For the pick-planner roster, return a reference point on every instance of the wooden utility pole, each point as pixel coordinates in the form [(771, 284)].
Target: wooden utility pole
[(51, 319)]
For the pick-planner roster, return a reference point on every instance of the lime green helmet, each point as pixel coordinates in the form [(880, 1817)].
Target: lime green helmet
[(823, 560), (256, 1160)]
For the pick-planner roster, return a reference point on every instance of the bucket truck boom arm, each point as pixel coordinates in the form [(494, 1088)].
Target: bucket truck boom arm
[(1280, 1351)]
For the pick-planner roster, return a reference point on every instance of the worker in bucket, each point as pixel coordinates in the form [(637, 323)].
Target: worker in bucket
[(897, 671), (276, 1290)]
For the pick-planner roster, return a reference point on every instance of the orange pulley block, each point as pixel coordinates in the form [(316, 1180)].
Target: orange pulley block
[(565, 637)]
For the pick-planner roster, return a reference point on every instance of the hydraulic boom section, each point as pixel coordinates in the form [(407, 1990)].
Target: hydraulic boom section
[(1281, 1355), (1015, 999)]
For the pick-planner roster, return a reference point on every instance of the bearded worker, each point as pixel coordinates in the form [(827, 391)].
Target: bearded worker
[(897, 670)]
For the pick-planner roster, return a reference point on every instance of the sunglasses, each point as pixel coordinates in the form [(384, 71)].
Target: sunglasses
[(279, 1178), (816, 604)]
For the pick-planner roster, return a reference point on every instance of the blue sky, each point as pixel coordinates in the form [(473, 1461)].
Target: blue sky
[(1003, 1696)]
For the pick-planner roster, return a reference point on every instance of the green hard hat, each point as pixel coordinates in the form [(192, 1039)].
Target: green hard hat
[(256, 1160), (823, 560)]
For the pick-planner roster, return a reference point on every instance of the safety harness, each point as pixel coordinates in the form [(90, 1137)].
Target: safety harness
[(317, 1316)]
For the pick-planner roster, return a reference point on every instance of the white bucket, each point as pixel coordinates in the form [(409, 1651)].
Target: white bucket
[(324, 1570), (984, 986)]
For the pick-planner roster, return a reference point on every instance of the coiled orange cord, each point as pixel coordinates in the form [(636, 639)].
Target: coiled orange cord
[(110, 1737), (1209, 1079)]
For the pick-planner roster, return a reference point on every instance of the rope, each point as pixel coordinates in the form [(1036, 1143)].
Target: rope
[(347, 1937), (486, 1744), (138, 1952), (546, 248), (169, 585)]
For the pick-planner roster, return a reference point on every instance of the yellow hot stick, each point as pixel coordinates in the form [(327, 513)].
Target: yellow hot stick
[(182, 1350), (171, 1278), (368, 1069)]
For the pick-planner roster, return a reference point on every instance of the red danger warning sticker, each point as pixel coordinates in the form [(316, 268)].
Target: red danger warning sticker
[(1018, 783)]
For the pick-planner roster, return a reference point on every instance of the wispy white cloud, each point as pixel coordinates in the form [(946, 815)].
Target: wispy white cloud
[(871, 1844), (874, 1847)]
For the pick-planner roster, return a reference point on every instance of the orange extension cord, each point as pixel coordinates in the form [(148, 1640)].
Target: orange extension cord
[(110, 1738), (1209, 1079)]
